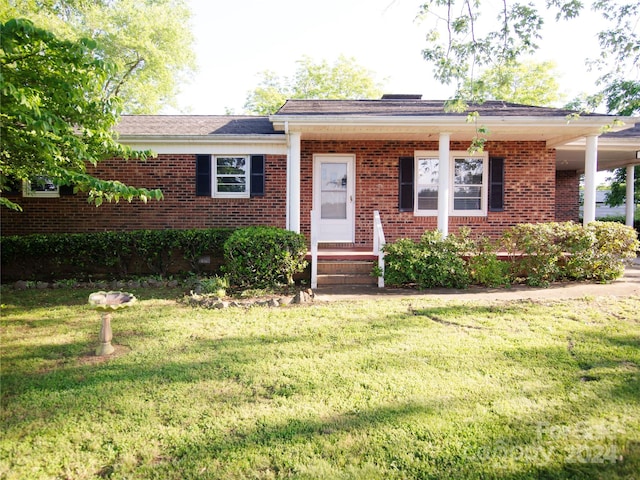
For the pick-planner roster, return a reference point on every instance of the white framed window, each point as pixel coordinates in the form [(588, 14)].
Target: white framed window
[(468, 184), (427, 179), (230, 177), (40, 186)]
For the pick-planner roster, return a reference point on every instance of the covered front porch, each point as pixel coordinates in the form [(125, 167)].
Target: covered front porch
[(368, 138)]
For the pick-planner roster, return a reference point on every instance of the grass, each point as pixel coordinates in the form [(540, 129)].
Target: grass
[(411, 388)]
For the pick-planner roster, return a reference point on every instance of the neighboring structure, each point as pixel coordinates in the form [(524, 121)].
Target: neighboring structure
[(402, 156)]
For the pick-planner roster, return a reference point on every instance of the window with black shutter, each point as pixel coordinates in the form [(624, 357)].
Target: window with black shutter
[(229, 181), (496, 184), (405, 187)]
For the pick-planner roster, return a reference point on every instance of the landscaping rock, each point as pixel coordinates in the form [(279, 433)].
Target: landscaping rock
[(21, 285), (302, 297), (42, 285)]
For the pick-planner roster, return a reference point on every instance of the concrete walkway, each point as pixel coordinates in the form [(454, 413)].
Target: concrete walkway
[(628, 285)]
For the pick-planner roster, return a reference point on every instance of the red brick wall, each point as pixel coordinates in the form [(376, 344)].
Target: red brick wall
[(567, 196), (530, 193), (529, 187), (181, 208)]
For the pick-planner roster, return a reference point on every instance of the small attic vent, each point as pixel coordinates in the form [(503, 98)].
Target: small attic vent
[(394, 96)]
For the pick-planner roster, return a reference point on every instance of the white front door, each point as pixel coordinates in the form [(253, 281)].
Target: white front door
[(333, 197)]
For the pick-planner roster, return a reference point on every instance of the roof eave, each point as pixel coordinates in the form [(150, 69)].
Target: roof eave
[(279, 121), (212, 139)]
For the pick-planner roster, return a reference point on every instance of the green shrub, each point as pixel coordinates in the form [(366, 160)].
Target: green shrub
[(85, 254), (264, 256), (485, 268), (546, 252), (614, 244), (432, 262), (535, 251), (214, 285)]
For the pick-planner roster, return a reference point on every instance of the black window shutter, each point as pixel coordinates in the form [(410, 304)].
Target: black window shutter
[(203, 175), (12, 186), (496, 184), (405, 189), (257, 175), (65, 190)]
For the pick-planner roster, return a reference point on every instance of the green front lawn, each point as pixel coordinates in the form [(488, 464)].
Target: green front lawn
[(414, 388)]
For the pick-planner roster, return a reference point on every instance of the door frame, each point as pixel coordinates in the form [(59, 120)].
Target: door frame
[(351, 194)]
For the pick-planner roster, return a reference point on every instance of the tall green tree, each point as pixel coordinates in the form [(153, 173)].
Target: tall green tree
[(55, 115), (618, 194), (149, 42), (344, 79), (527, 83)]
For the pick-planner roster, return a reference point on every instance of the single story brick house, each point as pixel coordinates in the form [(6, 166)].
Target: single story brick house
[(401, 156)]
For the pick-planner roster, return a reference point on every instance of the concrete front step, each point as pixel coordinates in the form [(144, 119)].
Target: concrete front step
[(344, 267), (345, 272), (346, 279)]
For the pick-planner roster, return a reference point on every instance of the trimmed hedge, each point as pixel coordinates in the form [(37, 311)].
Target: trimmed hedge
[(140, 252), (536, 255), (264, 256)]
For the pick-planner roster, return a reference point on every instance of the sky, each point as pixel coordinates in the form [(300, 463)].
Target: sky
[(236, 40)]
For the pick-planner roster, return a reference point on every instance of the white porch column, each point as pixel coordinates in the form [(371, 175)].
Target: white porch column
[(443, 184), (293, 188), (630, 206), (590, 169)]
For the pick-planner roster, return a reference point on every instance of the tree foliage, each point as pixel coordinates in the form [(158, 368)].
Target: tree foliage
[(467, 36), (149, 42), (618, 193), (527, 83), (344, 79), (56, 116)]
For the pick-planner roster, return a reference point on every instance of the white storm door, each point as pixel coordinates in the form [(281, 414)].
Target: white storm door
[(333, 196)]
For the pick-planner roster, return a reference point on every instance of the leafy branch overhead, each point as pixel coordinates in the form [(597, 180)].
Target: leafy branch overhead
[(56, 116), (468, 38)]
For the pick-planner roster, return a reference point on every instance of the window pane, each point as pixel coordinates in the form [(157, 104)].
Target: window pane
[(428, 199), (230, 188), (231, 180), (428, 175), (427, 171), (231, 165), (334, 205), (468, 171), (232, 185), (467, 198), (333, 176), (42, 184)]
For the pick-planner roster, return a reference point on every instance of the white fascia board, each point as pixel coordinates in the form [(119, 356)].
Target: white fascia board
[(441, 121), (197, 144)]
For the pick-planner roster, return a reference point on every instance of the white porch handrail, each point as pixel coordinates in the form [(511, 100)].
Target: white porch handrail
[(314, 250), (378, 245)]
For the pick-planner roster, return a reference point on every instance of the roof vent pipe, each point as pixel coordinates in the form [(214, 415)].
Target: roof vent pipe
[(400, 96)]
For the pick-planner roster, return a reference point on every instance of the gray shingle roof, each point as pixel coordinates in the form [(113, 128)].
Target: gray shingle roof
[(193, 125), (629, 133), (412, 107)]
